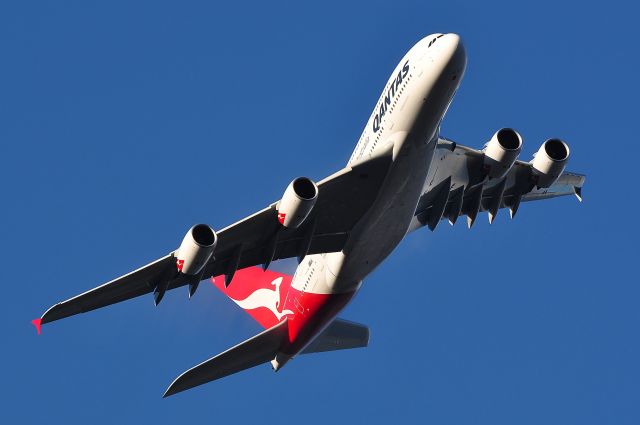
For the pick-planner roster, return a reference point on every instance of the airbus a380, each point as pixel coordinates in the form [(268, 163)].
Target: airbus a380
[(402, 175)]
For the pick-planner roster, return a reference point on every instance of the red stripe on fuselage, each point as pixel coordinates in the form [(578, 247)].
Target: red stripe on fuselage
[(311, 313)]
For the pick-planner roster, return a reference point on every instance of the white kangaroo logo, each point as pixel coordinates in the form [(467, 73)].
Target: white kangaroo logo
[(268, 298)]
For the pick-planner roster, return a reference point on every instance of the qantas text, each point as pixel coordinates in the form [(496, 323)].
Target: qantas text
[(391, 92)]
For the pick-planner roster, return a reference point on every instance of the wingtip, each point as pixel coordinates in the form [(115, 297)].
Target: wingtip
[(38, 324), (173, 388)]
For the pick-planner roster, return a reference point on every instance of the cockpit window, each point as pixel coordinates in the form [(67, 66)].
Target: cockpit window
[(435, 39)]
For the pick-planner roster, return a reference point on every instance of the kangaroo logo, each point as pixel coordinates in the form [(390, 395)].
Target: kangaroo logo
[(263, 297)]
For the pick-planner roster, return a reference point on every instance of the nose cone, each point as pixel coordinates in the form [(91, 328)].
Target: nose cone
[(450, 53), (452, 38), (452, 45)]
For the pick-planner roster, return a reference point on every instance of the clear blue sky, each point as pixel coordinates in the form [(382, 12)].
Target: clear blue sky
[(122, 124)]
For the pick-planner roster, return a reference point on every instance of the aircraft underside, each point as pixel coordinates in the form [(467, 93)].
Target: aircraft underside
[(401, 176)]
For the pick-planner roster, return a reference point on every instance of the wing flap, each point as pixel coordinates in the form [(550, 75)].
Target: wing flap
[(567, 184)]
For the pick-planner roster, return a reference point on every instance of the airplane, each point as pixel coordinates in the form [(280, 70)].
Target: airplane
[(402, 176)]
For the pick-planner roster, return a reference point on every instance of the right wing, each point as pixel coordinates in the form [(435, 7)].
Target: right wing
[(343, 198)]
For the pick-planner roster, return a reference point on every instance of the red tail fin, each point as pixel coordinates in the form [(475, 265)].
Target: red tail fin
[(260, 293)]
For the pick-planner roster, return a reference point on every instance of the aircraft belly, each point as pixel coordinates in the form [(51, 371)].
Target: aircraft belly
[(386, 224), (324, 283)]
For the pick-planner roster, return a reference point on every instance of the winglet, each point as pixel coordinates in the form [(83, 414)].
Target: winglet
[(38, 324)]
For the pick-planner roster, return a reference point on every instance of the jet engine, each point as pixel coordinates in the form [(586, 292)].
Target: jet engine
[(501, 152), (549, 162), (297, 202), (196, 249)]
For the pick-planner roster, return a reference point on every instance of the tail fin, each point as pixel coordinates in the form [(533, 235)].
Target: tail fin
[(340, 335), (252, 352), (260, 293)]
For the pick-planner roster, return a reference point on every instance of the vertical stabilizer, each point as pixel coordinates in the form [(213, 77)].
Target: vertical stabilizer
[(261, 293)]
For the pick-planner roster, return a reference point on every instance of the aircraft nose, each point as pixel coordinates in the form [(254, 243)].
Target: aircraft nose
[(452, 38), (452, 44)]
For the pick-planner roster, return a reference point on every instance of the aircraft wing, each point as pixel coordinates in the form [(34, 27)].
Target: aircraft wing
[(457, 186), (136, 283), (343, 198)]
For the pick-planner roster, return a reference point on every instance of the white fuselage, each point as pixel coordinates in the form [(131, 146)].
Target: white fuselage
[(407, 117), (406, 122)]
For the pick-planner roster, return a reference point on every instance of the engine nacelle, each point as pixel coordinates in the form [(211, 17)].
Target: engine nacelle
[(549, 162), (297, 202), (196, 249), (501, 152)]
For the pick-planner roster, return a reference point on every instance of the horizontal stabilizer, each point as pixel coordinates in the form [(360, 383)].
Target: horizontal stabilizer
[(252, 352), (340, 335)]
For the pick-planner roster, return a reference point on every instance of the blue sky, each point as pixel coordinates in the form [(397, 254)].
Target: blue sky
[(123, 123)]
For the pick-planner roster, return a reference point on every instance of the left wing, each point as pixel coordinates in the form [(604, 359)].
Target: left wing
[(343, 198), (457, 185)]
